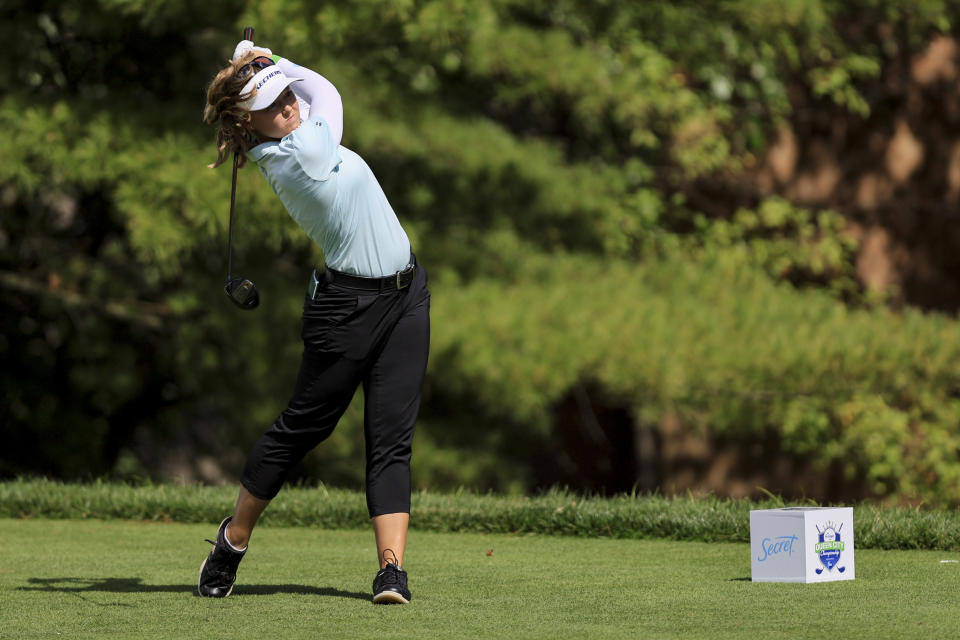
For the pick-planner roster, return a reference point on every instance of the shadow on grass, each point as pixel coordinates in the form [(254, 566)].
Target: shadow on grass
[(135, 585)]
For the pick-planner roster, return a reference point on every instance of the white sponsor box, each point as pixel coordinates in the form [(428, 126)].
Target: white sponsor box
[(801, 544)]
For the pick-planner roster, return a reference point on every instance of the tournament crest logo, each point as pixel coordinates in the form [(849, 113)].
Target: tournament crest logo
[(829, 547)]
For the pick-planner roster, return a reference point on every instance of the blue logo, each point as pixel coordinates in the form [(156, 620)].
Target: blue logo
[(776, 546), (267, 77), (829, 547)]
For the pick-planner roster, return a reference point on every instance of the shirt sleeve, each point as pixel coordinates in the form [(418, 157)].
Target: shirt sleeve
[(319, 93), (314, 149)]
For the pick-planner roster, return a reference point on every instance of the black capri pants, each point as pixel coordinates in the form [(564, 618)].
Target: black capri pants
[(353, 335)]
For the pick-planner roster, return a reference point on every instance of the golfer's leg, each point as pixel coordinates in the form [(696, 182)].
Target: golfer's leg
[(245, 515), (325, 386), (390, 530), (392, 391)]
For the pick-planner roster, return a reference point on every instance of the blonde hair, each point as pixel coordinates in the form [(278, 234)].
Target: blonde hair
[(225, 111)]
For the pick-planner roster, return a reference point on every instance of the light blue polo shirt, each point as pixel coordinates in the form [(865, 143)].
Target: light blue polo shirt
[(332, 193)]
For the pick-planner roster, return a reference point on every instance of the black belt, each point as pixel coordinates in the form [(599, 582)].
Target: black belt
[(396, 282)]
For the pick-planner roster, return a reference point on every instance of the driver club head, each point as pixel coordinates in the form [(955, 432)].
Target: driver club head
[(243, 293)]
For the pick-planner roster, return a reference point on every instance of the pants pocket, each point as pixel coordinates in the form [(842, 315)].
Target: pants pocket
[(322, 316)]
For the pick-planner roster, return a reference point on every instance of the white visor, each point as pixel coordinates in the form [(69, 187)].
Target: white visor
[(268, 83)]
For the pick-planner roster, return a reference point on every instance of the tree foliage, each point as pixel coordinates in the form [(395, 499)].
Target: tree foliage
[(537, 152)]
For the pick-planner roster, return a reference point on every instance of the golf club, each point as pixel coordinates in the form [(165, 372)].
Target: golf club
[(240, 290)]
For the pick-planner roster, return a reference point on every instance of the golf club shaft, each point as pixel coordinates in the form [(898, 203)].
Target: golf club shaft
[(247, 35), (233, 200)]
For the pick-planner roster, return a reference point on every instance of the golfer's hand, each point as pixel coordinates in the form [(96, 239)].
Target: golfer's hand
[(246, 45)]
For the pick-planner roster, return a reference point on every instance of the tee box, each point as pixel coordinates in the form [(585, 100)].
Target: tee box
[(801, 544)]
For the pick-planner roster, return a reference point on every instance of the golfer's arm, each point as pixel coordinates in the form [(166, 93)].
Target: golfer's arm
[(319, 93)]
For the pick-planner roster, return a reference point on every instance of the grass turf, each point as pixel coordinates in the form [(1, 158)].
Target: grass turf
[(95, 579)]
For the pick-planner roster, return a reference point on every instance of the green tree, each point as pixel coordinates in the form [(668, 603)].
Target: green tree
[(541, 156)]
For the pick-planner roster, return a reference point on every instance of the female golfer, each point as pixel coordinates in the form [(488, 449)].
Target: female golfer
[(366, 315)]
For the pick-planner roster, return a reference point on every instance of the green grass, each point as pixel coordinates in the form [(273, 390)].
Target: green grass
[(95, 579), (556, 513)]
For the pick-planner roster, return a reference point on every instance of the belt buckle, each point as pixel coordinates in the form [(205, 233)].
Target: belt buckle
[(407, 270)]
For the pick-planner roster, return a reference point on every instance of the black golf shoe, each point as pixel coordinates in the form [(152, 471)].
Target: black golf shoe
[(390, 586), (219, 571)]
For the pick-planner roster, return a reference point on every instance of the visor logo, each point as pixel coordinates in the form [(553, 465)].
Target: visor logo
[(267, 77)]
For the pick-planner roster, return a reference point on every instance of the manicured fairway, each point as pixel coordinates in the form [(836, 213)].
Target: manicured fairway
[(94, 579)]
